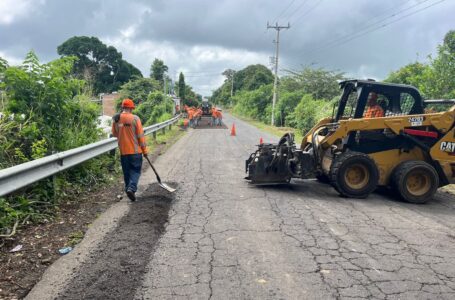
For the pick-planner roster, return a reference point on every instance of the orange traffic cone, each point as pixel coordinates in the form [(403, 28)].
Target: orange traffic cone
[(233, 129), (261, 141)]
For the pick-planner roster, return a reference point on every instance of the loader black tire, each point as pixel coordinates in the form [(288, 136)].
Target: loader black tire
[(415, 181), (354, 174)]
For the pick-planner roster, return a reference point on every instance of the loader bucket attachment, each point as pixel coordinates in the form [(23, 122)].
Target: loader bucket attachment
[(265, 167)]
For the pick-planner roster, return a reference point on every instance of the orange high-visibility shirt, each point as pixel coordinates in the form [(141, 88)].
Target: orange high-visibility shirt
[(214, 114), (374, 111), (190, 114), (130, 134), (219, 115)]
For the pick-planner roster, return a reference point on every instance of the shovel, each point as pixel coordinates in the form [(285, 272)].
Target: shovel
[(161, 184)]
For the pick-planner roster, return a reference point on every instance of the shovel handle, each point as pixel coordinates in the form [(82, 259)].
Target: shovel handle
[(153, 168)]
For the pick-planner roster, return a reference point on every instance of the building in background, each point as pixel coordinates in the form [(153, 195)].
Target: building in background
[(108, 103)]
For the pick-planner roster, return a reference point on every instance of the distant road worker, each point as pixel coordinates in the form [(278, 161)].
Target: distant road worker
[(198, 116), (214, 116), (191, 116), (130, 135), (219, 117)]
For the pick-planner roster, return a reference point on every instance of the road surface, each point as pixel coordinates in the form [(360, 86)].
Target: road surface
[(220, 238)]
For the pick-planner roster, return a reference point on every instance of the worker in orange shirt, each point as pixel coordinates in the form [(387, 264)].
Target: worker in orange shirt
[(130, 135), (190, 116), (219, 117), (374, 110), (214, 116), (198, 116)]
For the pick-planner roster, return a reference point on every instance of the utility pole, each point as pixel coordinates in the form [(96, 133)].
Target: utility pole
[(277, 51)]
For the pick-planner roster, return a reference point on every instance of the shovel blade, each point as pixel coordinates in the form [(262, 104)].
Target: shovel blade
[(166, 187)]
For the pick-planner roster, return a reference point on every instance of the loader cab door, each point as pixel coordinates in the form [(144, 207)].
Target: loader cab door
[(394, 100), (348, 102)]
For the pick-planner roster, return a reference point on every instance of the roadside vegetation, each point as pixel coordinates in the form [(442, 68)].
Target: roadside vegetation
[(51, 107), (310, 94)]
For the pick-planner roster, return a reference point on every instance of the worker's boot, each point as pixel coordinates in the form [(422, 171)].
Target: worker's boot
[(131, 195)]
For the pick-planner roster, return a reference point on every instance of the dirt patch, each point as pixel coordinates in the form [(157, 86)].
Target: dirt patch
[(116, 270), (40, 242)]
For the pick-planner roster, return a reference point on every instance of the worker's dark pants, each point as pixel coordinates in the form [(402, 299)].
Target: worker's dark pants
[(131, 166)]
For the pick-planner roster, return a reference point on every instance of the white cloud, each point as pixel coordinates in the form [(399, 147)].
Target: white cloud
[(11, 10), (202, 38), (202, 65), (12, 61)]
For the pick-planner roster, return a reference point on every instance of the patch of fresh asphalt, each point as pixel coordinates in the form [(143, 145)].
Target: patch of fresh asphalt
[(225, 239), (115, 269)]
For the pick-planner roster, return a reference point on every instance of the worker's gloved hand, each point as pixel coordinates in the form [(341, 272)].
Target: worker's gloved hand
[(145, 154)]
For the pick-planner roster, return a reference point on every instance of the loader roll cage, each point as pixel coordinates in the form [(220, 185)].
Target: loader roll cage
[(394, 99)]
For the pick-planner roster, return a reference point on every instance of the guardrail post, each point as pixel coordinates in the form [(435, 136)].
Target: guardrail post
[(154, 135), (164, 130)]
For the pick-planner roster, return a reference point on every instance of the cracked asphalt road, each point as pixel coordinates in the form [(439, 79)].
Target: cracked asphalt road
[(225, 239)]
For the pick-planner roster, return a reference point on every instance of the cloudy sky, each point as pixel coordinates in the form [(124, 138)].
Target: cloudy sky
[(364, 38)]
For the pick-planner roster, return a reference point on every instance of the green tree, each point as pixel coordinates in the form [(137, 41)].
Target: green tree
[(137, 89), (286, 104), (157, 108), (255, 104), (101, 66), (46, 112), (181, 86), (319, 83), (44, 92), (158, 70), (250, 78), (3, 65), (441, 79), (308, 112), (411, 74), (435, 79)]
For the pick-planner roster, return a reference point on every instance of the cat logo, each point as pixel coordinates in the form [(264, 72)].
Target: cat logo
[(448, 147)]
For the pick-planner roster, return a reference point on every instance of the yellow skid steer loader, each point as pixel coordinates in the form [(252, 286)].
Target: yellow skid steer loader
[(409, 147)]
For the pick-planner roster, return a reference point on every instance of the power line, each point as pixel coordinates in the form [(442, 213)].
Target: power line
[(284, 10), (368, 26), (371, 27), (307, 12), (297, 9)]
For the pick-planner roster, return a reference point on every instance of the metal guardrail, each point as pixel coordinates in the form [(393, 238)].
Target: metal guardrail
[(14, 178)]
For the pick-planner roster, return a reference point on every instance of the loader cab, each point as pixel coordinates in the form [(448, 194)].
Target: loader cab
[(394, 99)]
